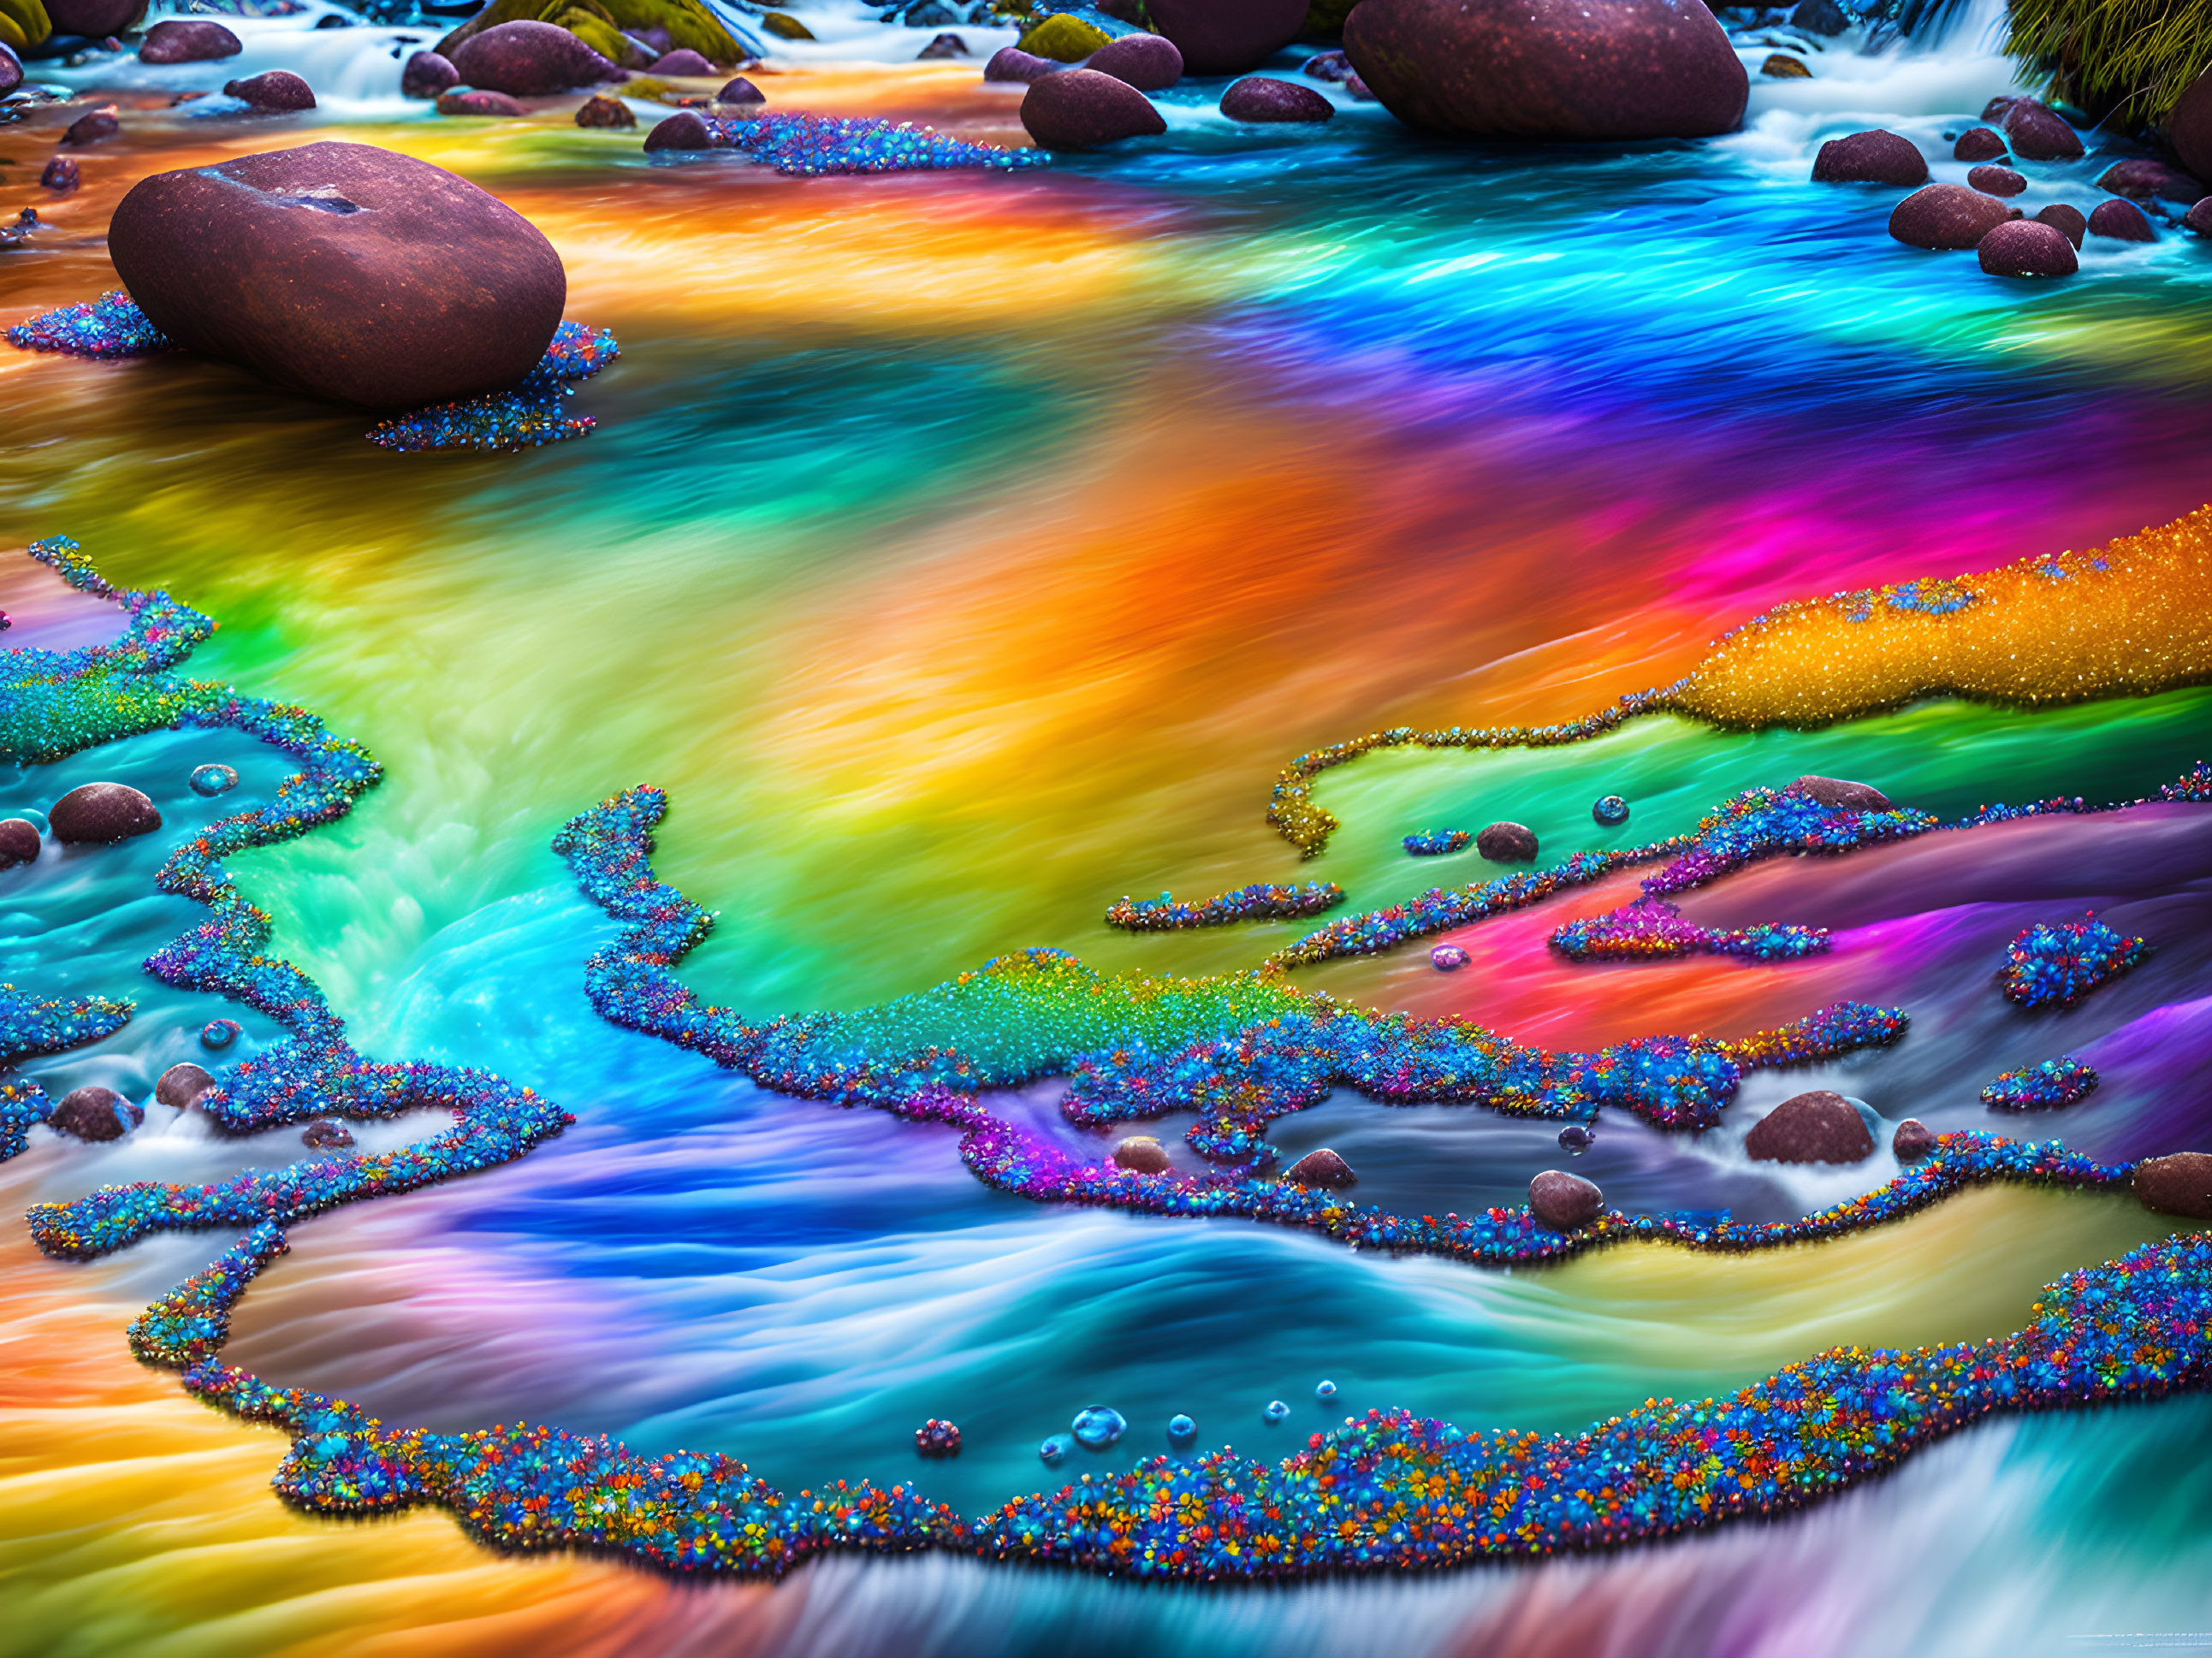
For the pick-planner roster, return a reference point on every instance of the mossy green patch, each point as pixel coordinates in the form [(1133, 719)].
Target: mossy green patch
[(1063, 38)]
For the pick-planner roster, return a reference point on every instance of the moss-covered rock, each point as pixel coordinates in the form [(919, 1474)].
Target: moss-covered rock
[(783, 25), (23, 24), (1063, 38), (1325, 18), (685, 22)]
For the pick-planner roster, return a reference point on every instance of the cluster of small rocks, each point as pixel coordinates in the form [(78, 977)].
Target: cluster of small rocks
[(1977, 216)]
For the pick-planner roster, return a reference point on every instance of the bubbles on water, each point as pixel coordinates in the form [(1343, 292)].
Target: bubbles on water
[(1098, 1426), (1276, 1410), (1182, 1430), (213, 779), (1610, 811), (1054, 1450), (1448, 958), (1576, 1138), (1325, 1390), (218, 1034)]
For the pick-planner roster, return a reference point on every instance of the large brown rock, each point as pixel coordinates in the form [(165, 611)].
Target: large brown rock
[(1914, 1140), (187, 40), (2027, 248), (2122, 221), (1993, 181), (19, 841), (1979, 144), (472, 100), (100, 814), (1549, 68), (1323, 1167), (96, 1113), (1946, 216), (1564, 1202), (2068, 220), (1227, 37), (2178, 1185), (1507, 842), (426, 75), (343, 271), (1819, 1126), (1841, 794), (530, 60), (2189, 128), (1878, 156), (95, 19), (1263, 98), (1082, 109)]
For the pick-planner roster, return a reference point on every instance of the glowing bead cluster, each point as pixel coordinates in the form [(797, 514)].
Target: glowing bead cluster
[(816, 144), (1654, 928), (2053, 1082), (937, 1439), (2054, 964), (522, 418), (1436, 843), (112, 325), (1265, 901)]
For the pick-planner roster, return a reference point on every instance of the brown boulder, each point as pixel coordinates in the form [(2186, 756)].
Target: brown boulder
[(1505, 842), (2199, 218), (2027, 248), (1996, 180), (2145, 181), (96, 1113), (1876, 157), (601, 111), (343, 271), (1226, 37), (426, 75), (2068, 220), (324, 1135), (2178, 1185), (1839, 794), (685, 130), (19, 841), (682, 61), (1082, 109), (1979, 144), (2189, 128), (530, 60), (1781, 66), (1819, 1127), (91, 129), (1946, 216), (1143, 1155), (276, 90), (60, 174), (2038, 133), (2122, 221), (95, 19), (188, 40), (1149, 63), (1914, 1140), (100, 814), (470, 101), (740, 91), (1262, 98), (182, 1084), (1321, 1167), (1564, 1202), (1549, 68), (1012, 63)]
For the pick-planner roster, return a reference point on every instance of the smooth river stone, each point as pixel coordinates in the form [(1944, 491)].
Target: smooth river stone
[(1877, 156), (187, 40), (1564, 1202), (343, 271), (1226, 37), (100, 814), (530, 60), (1817, 1126)]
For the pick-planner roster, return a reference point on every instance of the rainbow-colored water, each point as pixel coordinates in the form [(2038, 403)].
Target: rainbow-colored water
[(963, 553)]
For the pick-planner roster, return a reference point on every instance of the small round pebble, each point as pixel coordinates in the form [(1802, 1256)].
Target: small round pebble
[(1507, 843), (600, 111), (275, 90), (2070, 221), (2027, 248), (1263, 98), (2122, 221), (684, 130), (19, 841), (1996, 180), (1448, 958), (470, 100), (61, 175), (1182, 1430), (1575, 1139), (740, 91), (1610, 811), (325, 1134), (1979, 144), (1913, 1141), (1323, 1167), (182, 1084), (1276, 1410), (1564, 1202), (213, 779), (218, 1034), (96, 1113), (1142, 1155)]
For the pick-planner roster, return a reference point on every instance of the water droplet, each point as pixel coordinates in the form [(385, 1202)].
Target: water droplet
[(1054, 1448), (1325, 1390), (218, 1034), (213, 779), (1098, 1426), (1182, 1430), (1276, 1410), (1610, 811), (1575, 1139)]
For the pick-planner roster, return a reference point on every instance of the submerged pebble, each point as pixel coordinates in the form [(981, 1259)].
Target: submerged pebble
[(213, 779)]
